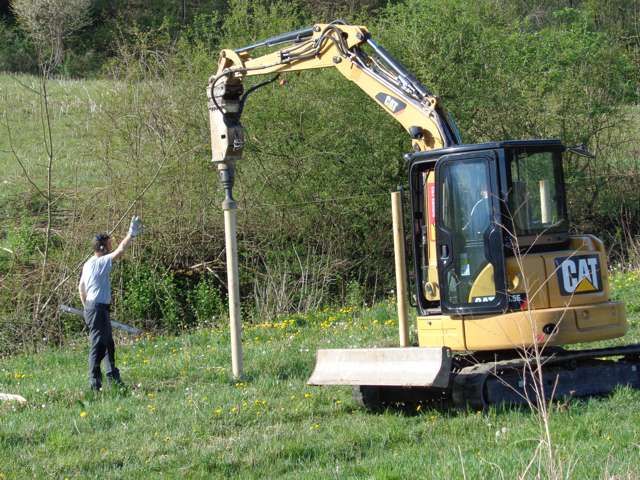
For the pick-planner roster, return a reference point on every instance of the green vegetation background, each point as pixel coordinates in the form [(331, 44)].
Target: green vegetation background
[(128, 111), (128, 104)]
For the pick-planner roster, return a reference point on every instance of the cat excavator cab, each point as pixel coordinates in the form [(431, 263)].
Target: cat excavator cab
[(497, 273)]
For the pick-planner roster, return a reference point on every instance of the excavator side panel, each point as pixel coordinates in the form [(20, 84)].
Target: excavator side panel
[(549, 326), (578, 276), (441, 331)]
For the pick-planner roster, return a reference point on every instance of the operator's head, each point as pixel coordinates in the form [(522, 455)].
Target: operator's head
[(101, 244)]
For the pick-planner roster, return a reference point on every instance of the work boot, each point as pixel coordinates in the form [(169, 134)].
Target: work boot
[(113, 378)]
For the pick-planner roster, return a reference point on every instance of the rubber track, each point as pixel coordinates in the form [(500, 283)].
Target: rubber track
[(573, 374)]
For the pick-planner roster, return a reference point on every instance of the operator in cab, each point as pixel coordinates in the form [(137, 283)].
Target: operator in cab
[(95, 294)]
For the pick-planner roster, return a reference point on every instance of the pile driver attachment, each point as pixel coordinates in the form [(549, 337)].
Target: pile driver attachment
[(500, 284)]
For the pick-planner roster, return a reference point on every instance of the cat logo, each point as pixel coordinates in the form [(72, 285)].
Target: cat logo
[(579, 274), (392, 104), (483, 299)]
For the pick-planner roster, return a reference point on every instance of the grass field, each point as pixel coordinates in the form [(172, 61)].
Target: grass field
[(183, 416), (74, 106)]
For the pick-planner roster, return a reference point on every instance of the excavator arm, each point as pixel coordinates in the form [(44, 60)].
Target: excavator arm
[(334, 45)]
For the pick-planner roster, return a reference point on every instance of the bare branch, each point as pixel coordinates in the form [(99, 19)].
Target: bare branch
[(19, 162)]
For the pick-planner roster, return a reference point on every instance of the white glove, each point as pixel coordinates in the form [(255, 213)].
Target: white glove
[(135, 227)]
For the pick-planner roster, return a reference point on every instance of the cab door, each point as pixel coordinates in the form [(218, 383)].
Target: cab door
[(469, 234)]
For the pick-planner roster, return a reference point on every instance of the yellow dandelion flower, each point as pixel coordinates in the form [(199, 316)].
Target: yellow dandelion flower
[(308, 395), (218, 411), (83, 414)]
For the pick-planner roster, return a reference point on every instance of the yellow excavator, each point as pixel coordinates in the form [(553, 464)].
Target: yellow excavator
[(497, 275)]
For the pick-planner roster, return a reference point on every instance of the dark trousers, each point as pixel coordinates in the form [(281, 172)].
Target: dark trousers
[(96, 316)]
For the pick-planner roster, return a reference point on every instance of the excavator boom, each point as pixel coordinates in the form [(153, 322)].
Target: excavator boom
[(333, 45)]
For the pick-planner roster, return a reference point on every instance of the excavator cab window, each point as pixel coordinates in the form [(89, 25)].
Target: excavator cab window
[(482, 203), (469, 234), (535, 195)]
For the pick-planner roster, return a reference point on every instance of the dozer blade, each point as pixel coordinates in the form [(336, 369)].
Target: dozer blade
[(402, 367)]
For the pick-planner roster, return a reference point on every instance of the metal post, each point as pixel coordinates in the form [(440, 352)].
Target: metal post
[(401, 272), (226, 172), (546, 211)]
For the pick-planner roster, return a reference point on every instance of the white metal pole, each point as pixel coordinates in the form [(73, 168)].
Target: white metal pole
[(401, 269), (231, 246), (545, 202)]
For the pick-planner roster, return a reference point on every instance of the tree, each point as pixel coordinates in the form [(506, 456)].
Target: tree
[(49, 23)]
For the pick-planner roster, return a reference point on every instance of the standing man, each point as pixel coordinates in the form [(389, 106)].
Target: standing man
[(95, 294)]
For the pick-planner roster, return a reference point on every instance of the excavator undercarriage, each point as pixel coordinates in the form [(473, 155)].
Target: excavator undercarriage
[(526, 379)]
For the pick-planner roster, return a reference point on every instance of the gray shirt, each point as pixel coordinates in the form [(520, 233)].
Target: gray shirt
[(95, 276)]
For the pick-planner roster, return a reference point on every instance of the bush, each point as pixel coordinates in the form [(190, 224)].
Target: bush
[(205, 302), (168, 301), (313, 222), (626, 288), (16, 52), (140, 300), (355, 294)]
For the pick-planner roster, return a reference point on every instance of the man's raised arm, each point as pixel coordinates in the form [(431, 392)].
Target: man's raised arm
[(135, 229)]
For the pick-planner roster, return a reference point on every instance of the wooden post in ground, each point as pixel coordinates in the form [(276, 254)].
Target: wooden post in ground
[(235, 322), (231, 246), (401, 268)]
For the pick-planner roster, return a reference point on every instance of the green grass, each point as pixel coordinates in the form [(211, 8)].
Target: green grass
[(74, 108), (626, 288), (185, 417)]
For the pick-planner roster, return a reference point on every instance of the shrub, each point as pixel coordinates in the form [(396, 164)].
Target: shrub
[(205, 302)]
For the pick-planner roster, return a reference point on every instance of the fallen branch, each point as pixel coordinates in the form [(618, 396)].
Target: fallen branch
[(127, 328), (9, 397)]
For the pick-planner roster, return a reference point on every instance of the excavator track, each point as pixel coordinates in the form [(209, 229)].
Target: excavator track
[(564, 374), (478, 385)]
